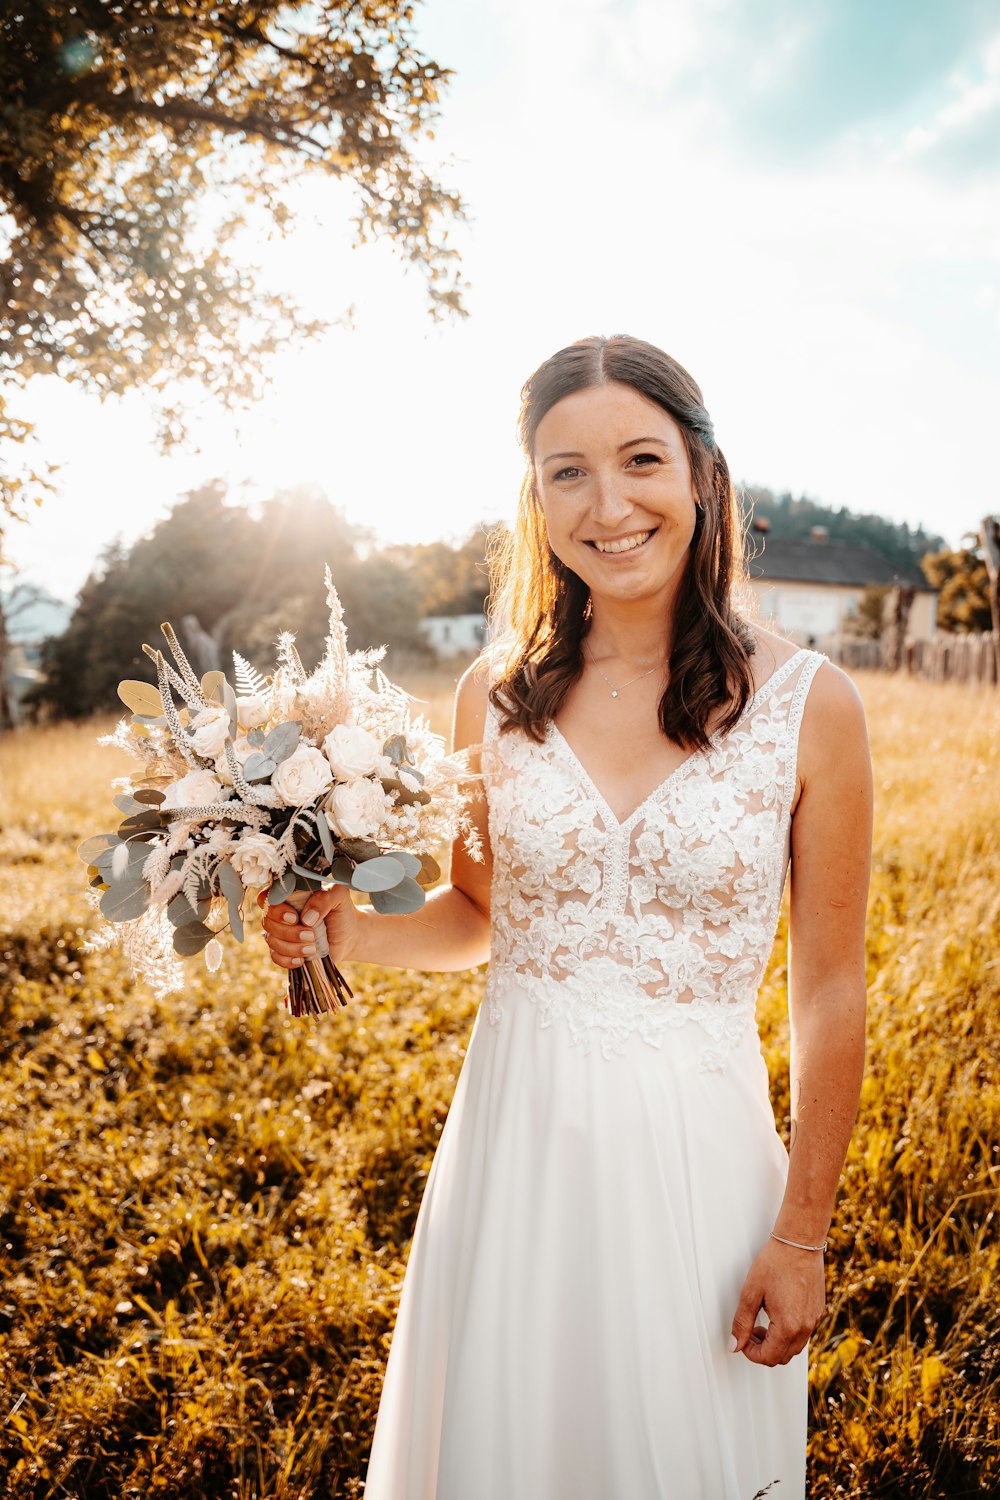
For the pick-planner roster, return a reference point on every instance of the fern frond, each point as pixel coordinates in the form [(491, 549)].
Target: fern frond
[(249, 682)]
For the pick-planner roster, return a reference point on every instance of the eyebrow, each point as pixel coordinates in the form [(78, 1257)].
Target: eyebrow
[(632, 442)]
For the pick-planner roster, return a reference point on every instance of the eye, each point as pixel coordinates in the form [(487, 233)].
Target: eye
[(559, 474), (654, 456)]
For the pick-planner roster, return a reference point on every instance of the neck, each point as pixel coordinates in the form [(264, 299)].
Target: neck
[(638, 631)]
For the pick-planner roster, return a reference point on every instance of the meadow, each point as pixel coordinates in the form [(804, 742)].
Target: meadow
[(205, 1205)]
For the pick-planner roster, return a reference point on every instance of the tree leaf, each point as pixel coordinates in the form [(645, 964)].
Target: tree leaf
[(378, 874), (430, 870)]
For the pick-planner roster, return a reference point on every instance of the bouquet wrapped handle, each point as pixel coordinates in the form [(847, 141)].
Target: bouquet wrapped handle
[(317, 985), (298, 899)]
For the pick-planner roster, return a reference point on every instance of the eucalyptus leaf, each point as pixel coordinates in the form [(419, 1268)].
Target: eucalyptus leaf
[(430, 870), (259, 767), (410, 862), (360, 849), (148, 721), (404, 796), (403, 899), (281, 889), (140, 697), (124, 900), (146, 821), (216, 687), (323, 829), (192, 938), (378, 874), (181, 912), (282, 740), (230, 883), (341, 870), (150, 795), (313, 878), (395, 748), (91, 848), (255, 737), (127, 804)]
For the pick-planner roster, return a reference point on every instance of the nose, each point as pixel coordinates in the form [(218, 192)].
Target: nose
[(609, 503)]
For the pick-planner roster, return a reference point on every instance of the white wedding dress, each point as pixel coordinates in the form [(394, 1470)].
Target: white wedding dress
[(610, 1165)]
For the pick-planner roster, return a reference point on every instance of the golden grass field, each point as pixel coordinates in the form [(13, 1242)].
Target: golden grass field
[(205, 1205)]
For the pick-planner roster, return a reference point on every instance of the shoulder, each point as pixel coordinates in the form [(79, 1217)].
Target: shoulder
[(833, 738), (471, 695)]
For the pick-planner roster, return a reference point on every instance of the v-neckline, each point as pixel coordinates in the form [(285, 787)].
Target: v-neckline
[(620, 825)]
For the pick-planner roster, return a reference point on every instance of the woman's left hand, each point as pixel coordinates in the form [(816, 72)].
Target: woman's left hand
[(791, 1286)]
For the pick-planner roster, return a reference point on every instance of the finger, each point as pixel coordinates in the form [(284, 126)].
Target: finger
[(281, 918), (747, 1309)]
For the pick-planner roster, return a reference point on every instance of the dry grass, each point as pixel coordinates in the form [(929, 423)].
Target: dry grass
[(205, 1206)]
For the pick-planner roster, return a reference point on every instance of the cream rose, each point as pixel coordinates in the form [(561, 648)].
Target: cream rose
[(255, 858), (194, 790), (352, 751), (356, 810), (208, 730), (302, 776), (251, 712)]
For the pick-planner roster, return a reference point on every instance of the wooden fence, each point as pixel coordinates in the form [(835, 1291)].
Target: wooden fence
[(945, 658)]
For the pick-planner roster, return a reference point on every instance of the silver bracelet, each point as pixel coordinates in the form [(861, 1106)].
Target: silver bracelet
[(797, 1245)]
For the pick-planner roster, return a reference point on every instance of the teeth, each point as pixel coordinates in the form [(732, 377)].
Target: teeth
[(627, 544)]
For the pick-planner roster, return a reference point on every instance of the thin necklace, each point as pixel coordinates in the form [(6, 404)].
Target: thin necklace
[(616, 690)]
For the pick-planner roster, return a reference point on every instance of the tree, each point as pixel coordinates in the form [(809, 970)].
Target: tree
[(239, 578), (451, 580), (126, 124), (963, 602), (896, 541)]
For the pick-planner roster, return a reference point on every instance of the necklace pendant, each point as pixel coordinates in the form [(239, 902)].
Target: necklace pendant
[(614, 692)]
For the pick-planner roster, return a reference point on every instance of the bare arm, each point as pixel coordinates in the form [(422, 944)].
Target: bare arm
[(452, 928), (830, 869)]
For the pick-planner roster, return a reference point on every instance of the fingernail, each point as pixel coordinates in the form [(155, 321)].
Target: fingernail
[(310, 918), (733, 1345), (296, 962), (310, 952), (289, 916)]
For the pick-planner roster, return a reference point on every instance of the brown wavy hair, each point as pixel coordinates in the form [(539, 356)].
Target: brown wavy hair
[(539, 609)]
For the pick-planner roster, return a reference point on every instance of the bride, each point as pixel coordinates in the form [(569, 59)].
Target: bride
[(617, 1265)]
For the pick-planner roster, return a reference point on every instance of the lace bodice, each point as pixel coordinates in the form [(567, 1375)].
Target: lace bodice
[(621, 929)]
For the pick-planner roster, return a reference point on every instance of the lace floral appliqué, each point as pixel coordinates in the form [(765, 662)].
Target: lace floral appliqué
[(622, 929)]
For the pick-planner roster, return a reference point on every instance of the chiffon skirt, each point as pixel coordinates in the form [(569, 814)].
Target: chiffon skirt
[(563, 1329)]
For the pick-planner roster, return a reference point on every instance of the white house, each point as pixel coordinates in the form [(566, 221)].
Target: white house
[(454, 635), (809, 589)]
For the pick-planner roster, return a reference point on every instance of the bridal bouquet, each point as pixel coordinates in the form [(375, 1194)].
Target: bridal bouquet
[(295, 782)]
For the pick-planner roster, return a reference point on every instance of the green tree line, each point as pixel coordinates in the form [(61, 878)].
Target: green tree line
[(239, 577)]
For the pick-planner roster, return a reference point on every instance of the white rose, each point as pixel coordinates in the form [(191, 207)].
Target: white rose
[(251, 712), (209, 729), (255, 858), (302, 776), (194, 790), (356, 810), (243, 750), (352, 751)]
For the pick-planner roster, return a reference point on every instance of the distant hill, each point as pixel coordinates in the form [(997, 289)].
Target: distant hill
[(793, 519)]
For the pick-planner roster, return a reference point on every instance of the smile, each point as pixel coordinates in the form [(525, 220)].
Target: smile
[(624, 543)]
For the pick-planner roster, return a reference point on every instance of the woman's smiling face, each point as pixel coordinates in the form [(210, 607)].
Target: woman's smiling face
[(614, 482)]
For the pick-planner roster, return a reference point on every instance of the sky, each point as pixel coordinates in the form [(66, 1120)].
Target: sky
[(796, 199)]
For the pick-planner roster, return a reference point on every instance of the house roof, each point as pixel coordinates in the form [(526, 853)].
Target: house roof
[(783, 560)]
